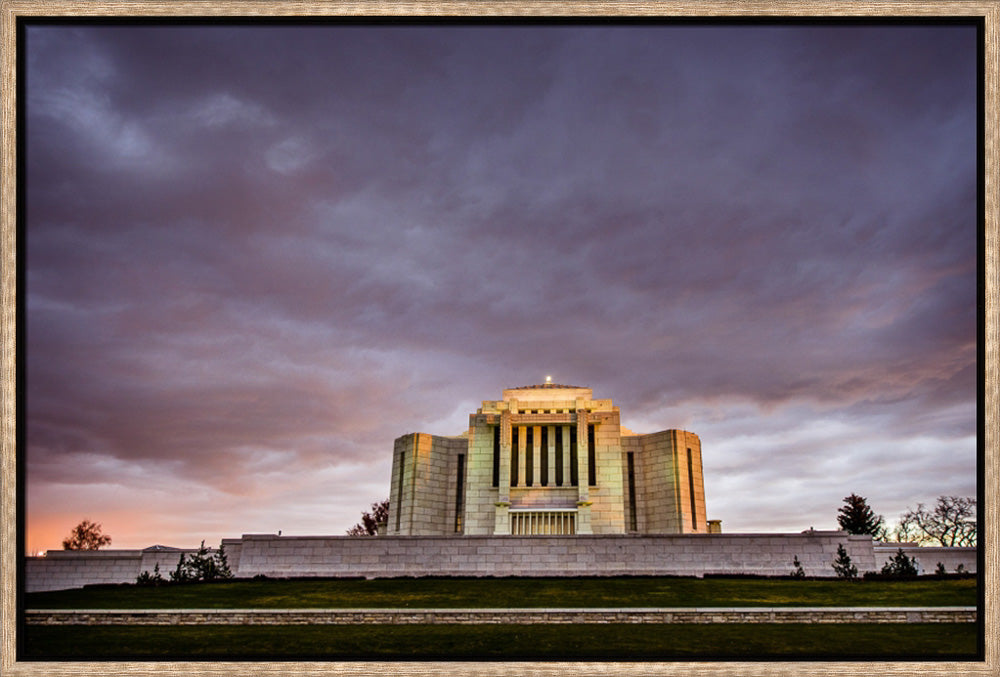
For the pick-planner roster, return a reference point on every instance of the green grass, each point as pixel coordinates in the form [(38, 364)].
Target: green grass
[(516, 592), (943, 641)]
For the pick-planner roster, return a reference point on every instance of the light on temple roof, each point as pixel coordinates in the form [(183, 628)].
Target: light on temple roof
[(548, 379)]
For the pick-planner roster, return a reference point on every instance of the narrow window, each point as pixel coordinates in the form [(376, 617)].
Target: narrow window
[(544, 451), (559, 456), (399, 487), (460, 493), (633, 523), (496, 456), (574, 471), (529, 456), (591, 457), (694, 515), (513, 455)]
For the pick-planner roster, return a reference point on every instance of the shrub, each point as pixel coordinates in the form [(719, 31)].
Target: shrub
[(145, 578), (202, 566), (940, 570), (181, 573), (900, 565), (842, 565), (798, 572)]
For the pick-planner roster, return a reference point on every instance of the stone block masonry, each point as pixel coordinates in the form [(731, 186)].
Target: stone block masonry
[(64, 569), (581, 555), (497, 616), (928, 557)]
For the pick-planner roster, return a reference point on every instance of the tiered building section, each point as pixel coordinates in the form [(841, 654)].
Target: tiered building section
[(547, 460)]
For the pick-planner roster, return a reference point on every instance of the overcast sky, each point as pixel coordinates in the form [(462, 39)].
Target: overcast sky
[(258, 254)]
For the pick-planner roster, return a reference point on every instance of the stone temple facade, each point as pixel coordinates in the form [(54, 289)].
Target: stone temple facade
[(547, 460)]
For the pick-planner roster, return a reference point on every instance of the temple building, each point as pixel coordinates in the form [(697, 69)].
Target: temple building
[(547, 460)]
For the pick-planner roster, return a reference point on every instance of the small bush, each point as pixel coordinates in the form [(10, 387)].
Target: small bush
[(798, 572), (842, 565), (900, 566), (145, 578), (940, 570), (202, 566)]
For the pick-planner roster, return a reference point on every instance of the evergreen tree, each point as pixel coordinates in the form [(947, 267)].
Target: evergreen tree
[(856, 517), (146, 578), (222, 563), (202, 566), (180, 573), (900, 565), (842, 565)]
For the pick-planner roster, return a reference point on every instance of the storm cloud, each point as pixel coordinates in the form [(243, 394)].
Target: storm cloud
[(255, 255)]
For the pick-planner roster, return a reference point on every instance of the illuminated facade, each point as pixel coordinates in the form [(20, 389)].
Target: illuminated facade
[(547, 460)]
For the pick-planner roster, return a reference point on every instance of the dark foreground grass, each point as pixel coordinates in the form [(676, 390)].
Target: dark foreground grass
[(930, 641), (516, 592)]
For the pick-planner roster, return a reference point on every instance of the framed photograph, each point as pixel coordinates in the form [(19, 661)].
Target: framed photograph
[(500, 338)]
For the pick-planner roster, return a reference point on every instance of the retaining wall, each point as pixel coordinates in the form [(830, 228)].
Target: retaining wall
[(580, 555), (927, 558), (493, 616), (590, 555), (62, 569)]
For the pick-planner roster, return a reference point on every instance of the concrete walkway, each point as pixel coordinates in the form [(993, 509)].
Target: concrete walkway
[(497, 616)]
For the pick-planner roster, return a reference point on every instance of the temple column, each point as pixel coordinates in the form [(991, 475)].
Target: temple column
[(536, 456), (522, 438), (583, 488), (565, 455), (551, 435)]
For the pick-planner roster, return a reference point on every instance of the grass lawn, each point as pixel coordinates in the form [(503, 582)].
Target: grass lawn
[(516, 592), (506, 642)]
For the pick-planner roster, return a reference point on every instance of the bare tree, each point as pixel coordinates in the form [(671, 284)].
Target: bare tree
[(368, 526), (952, 522), (86, 536), (906, 530)]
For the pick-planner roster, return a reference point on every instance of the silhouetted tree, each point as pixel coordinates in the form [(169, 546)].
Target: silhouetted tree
[(842, 565), (146, 578), (181, 572), (86, 536), (906, 530), (222, 563), (856, 517), (951, 523), (202, 566), (368, 526), (900, 565)]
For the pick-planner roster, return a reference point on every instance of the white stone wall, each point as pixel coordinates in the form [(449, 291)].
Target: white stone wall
[(480, 494), (630, 444), (607, 497), (694, 554), (928, 557), (665, 498), (593, 555), (63, 569), (427, 503)]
